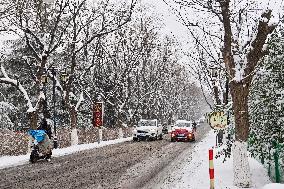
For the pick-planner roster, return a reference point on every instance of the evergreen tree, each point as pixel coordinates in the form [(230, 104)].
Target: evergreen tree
[(267, 103)]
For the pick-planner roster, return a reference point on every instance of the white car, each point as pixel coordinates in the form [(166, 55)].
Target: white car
[(148, 130), (202, 119)]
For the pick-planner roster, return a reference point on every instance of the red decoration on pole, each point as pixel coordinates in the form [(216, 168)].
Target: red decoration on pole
[(211, 173), (211, 154), (211, 169), (98, 114)]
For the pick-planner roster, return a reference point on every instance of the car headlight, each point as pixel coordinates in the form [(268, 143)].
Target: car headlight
[(134, 131)]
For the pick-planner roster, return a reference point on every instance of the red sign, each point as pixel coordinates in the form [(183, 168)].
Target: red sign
[(98, 114)]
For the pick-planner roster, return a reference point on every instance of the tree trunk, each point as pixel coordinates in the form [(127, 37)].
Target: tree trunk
[(33, 120), (73, 114), (33, 125), (242, 177), (74, 133), (240, 94)]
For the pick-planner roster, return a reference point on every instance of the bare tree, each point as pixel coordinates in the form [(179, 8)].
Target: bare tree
[(242, 39), (84, 31), (46, 30)]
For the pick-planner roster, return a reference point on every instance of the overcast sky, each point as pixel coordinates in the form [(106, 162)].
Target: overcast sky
[(170, 20), (172, 26)]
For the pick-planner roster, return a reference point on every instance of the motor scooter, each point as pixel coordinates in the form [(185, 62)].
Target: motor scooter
[(41, 148)]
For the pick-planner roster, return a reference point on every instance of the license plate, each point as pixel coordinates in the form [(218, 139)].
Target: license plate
[(181, 135)]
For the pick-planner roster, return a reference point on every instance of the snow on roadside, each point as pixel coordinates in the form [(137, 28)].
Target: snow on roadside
[(10, 161), (195, 174), (273, 186), (81, 147)]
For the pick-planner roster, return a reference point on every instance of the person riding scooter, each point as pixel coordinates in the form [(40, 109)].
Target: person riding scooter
[(42, 148), (46, 127)]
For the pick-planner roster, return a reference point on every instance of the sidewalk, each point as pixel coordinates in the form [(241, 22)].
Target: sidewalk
[(194, 174)]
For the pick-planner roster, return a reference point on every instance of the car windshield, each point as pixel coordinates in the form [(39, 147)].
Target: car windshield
[(146, 123), (183, 124)]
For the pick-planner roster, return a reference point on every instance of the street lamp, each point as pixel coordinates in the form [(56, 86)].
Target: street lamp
[(63, 79), (214, 72), (63, 76), (44, 80), (215, 75), (53, 72)]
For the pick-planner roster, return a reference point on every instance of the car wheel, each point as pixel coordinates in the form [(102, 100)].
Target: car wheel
[(147, 138), (161, 137), (156, 137), (135, 139), (172, 140)]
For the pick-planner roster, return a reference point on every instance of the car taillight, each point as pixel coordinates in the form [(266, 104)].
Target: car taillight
[(173, 134)]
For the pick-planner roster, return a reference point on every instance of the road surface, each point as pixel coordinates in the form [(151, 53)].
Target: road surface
[(125, 165)]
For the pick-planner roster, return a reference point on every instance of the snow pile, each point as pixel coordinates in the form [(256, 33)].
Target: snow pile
[(273, 186), (81, 147), (9, 161)]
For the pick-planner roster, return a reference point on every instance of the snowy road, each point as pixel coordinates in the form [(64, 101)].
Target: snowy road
[(125, 165)]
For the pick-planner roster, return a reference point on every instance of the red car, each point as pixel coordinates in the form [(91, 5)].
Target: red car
[(183, 131)]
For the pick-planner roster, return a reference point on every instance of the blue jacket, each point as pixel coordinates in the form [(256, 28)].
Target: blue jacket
[(38, 135)]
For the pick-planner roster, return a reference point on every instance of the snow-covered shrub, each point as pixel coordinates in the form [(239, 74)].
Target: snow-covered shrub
[(13, 142), (16, 142), (127, 131), (110, 134), (63, 137)]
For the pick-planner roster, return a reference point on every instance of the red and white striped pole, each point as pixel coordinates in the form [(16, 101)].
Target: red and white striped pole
[(211, 169)]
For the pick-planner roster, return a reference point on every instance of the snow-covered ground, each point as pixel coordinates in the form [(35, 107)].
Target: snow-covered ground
[(194, 174), (8, 161)]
